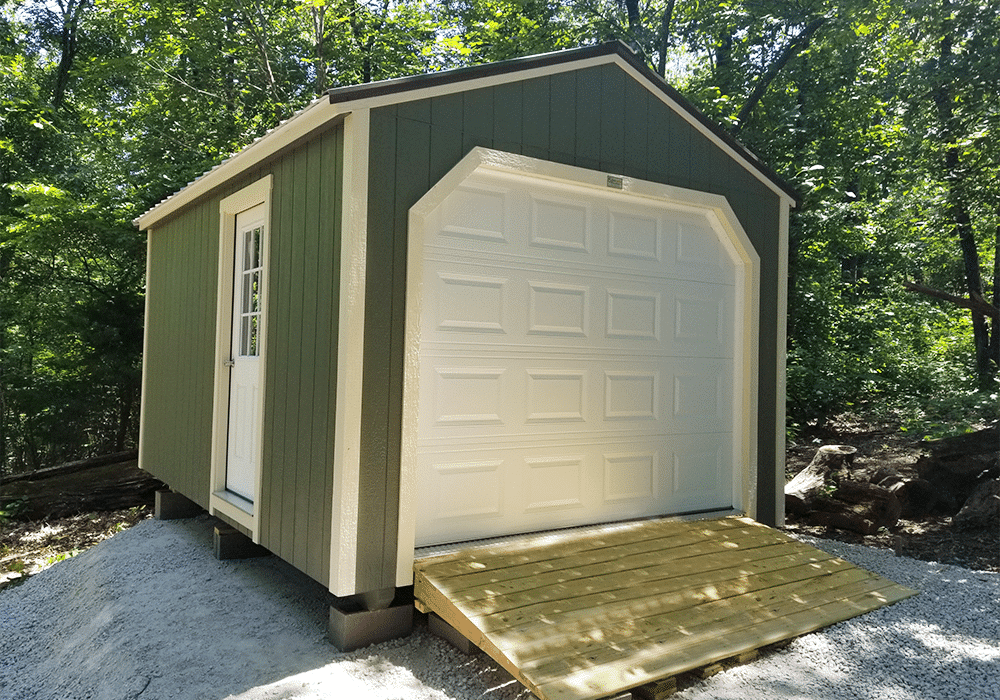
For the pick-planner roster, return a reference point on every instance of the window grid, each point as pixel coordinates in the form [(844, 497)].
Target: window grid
[(250, 310)]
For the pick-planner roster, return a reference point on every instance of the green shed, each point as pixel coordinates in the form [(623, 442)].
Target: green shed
[(511, 298)]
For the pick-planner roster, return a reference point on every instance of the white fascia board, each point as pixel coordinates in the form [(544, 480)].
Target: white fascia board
[(297, 126), (392, 98)]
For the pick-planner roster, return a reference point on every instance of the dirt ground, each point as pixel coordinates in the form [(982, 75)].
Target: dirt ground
[(931, 538), (28, 547)]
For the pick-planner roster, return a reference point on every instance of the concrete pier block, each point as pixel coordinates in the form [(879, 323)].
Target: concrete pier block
[(353, 629), (448, 633), (170, 505), (230, 543)]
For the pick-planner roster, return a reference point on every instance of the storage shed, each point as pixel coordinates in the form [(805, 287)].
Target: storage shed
[(511, 298)]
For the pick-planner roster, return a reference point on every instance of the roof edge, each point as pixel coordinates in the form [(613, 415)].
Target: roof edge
[(341, 100), (383, 88)]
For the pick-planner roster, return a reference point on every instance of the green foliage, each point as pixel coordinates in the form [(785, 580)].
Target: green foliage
[(12, 510), (883, 115), (62, 556)]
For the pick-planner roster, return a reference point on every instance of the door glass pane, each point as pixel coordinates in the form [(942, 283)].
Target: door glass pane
[(255, 291), (256, 247), (250, 288)]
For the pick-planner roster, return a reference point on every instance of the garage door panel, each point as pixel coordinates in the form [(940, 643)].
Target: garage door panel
[(497, 214), (466, 300), (575, 360), (480, 214), (558, 309), (561, 224), (701, 476), (485, 396)]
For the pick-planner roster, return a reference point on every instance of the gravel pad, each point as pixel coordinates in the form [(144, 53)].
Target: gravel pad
[(151, 614)]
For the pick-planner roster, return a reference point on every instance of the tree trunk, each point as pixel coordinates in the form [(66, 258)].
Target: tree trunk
[(794, 47), (955, 178), (319, 50), (68, 43), (102, 483), (665, 26), (810, 483)]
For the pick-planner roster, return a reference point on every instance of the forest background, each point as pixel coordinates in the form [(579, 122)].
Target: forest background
[(883, 114)]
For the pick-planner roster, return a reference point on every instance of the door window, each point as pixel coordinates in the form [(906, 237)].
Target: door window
[(251, 285)]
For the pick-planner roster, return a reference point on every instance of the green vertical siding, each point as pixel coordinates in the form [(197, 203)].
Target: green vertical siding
[(595, 118), (300, 387), (176, 417), (300, 390)]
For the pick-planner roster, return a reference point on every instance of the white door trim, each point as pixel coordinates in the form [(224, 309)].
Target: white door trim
[(221, 502), (715, 207)]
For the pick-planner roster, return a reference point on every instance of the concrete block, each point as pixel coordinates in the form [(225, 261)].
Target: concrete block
[(448, 633), (353, 629), (657, 690), (230, 543), (708, 671), (170, 505)]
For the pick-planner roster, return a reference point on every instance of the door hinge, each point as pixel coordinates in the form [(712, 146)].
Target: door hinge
[(229, 363)]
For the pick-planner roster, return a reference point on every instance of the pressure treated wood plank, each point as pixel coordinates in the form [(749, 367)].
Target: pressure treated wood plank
[(672, 625), (600, 549), (544, 548), (629, 584), (608, 563), (652, 663), (647, 600), (577, 620), (570, 608)]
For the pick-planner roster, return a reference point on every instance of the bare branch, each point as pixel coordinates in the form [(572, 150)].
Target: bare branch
[(974, 303)]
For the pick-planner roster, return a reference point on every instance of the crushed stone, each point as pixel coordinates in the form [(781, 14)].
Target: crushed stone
[(150, 614)]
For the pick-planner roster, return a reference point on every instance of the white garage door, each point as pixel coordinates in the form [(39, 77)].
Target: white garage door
[(576, 359)]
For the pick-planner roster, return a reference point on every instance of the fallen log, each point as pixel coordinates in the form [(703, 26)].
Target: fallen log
[(814, 481), (858, 507), (955, 466), (916, 496), (78, 488), (982, 509)]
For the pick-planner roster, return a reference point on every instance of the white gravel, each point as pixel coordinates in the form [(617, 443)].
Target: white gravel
[(151, 614)]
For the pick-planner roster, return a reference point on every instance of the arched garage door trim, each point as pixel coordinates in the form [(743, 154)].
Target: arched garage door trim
[(712, 208)]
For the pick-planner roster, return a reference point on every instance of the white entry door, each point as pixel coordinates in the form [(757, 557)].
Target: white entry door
[(245, 353), (575, 359)]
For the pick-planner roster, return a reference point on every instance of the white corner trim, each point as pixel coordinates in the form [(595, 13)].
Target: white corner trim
[(717, 210), (258, 192), (145, 354), (350, 356), (780, 379)]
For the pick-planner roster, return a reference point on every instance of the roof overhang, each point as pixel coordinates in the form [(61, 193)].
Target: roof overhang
[(341, 101)]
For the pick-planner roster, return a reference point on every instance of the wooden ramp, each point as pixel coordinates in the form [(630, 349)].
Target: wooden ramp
[(590, 614)]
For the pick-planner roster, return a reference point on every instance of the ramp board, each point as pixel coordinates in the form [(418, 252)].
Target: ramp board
[(580, 615)]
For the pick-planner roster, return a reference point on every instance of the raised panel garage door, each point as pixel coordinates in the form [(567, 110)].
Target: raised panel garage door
[(575, 359)]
